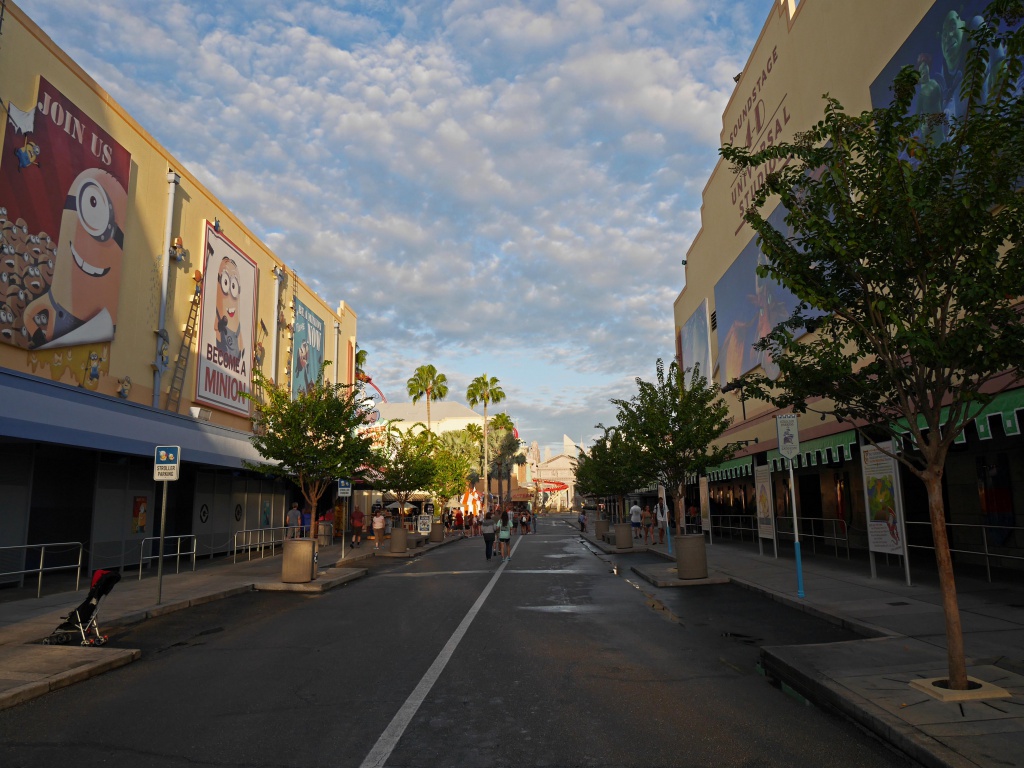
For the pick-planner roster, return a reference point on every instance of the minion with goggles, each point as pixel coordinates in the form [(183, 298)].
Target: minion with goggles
[(228, 321), (87, 266)]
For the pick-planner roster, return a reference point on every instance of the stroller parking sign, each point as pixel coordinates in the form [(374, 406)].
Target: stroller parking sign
[(166, 460)]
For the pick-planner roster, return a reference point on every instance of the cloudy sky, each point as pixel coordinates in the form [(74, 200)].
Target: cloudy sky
[(495, 187)]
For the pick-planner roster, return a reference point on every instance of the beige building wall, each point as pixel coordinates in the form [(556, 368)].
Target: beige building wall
[(27, 56)]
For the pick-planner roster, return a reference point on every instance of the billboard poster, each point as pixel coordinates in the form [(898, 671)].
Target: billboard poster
[(140, 505), (63, 208), (748, 307), (882, 497), (705, 504), (938, 48), (308, 346), (695, 343), (226, 325), (765, 506)]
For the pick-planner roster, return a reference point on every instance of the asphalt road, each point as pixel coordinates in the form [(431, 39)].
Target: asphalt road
[(549, 660)]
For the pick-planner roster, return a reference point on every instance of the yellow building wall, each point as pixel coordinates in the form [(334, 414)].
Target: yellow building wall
[(27, 56), (804, 51)]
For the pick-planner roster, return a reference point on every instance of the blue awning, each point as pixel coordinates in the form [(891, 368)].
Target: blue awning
[(45, 411)]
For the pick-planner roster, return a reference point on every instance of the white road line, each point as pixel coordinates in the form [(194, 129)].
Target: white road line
[(393, 733)]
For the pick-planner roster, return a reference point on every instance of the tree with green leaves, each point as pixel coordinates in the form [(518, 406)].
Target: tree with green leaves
[(503, 421), (506, 455), (406, 464), (484, 389), (312, 439), (907, 255), (609, 468), (451, 469), (676, 420), (427, 383)]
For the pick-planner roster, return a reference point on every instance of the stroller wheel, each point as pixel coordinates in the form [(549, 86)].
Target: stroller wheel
[(46, 641)]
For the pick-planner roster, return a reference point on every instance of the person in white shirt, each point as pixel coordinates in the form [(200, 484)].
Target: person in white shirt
[(634, 518), (661, 519), (378, 528)]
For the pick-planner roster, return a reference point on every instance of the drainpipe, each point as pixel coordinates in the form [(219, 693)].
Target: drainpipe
[(278, 278), (337, 360), (161, 332)]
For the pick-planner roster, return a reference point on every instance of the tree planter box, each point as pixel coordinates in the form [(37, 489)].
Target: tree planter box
[(601, 527), (623, 536), (691, 556), (298, 561), (399, 540), (436, 531)]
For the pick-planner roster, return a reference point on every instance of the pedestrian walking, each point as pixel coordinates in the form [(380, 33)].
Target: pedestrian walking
[(634, 519), (292, 519), (661, 519), (307, 521), (583, 521), (647, 523), (533, 522), (505, 537), (487, 528), (379, 523), (523, 524), (357, 528), (458, 521)]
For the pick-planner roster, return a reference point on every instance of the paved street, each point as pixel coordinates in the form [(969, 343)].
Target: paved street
[(551, 659)]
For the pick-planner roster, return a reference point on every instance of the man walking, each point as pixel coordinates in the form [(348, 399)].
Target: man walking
[(634, 519), (291, 520)]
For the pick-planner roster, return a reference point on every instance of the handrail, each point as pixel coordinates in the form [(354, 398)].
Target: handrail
[(177, 555), (784, 525), (42, 562), (984, 551), (262, 539)]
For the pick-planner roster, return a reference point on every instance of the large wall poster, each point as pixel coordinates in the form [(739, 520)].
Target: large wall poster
[(938, 48), (748, 308), (308, 345), (226, 325), (63, 209), (765, 506), (883, 499), (695, 343)]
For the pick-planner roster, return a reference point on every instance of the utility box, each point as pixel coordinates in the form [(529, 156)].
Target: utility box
[(298, 561)]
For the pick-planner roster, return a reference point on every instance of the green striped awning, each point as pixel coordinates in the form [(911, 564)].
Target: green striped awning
[(1004, 406), (821, 450), (733, 468)]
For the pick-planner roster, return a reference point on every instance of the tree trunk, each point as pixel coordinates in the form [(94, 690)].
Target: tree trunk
[(947, 584), (487, 485)]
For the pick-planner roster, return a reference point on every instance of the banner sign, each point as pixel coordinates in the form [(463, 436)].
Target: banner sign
[(765, 504), (226, 325), (308, 348), (883, 500), (63, 209)]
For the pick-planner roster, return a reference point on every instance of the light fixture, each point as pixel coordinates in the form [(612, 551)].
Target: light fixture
[(684, 262), (216, 225), (736, 78)]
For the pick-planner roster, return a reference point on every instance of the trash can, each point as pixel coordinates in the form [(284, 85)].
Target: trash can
[(623, 536), (298, 561), (436, 531), (399, 540), (691, 556)]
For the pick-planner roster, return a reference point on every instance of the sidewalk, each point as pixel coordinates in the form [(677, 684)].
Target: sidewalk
[(904, 629), (29, 669)]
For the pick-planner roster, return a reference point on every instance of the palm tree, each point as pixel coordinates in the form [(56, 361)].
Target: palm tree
[(428, 383), (484, 390), (503, 421)]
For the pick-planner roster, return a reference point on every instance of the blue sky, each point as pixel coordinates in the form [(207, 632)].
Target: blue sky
[(495, 187)]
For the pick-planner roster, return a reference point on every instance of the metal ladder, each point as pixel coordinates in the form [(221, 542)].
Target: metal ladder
[(181, 364)]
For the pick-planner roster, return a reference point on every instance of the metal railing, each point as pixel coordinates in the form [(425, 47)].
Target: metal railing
[(732, 525), (837, 528), (263, 539), (983, 548), (177, 554), (42, 562)]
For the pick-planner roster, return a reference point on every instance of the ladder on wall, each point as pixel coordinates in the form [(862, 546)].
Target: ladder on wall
[(181, 364)]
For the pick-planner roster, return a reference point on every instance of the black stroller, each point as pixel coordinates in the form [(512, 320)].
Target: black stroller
[(82, 621)]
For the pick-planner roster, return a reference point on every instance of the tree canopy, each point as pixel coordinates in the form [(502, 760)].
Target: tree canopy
[(903, 244), (427, 383)]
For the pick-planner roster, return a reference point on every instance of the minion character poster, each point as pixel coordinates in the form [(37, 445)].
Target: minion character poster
[(63, 209), (226, 325), (307, 348)]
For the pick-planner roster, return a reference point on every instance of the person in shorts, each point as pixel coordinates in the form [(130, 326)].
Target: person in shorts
[(505, 537), (357, 528), (635, 514)]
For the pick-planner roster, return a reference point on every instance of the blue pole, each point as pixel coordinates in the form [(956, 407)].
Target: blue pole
[(796, 534)]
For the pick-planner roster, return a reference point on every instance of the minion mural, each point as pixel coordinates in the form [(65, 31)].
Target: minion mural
[(61, 291)]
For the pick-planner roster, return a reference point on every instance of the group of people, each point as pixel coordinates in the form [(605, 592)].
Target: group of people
[(647, 522), (501, 529), (472, 524), (379, 524)]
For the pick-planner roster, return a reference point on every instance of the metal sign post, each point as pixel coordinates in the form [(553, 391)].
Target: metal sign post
[(789, 446), (166, 461)]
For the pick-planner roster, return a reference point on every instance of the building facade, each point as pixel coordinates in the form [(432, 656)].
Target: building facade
[(135, 308), (851, 51)]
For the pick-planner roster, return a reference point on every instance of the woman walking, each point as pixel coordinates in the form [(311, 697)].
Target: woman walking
[(504, 537), (647, 522), (487, 527)]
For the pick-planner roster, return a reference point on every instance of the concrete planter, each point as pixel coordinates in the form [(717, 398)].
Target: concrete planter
[(623, 536), (601, 527), (436, 532), (399, 540), (298, 561), (691, 556)]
